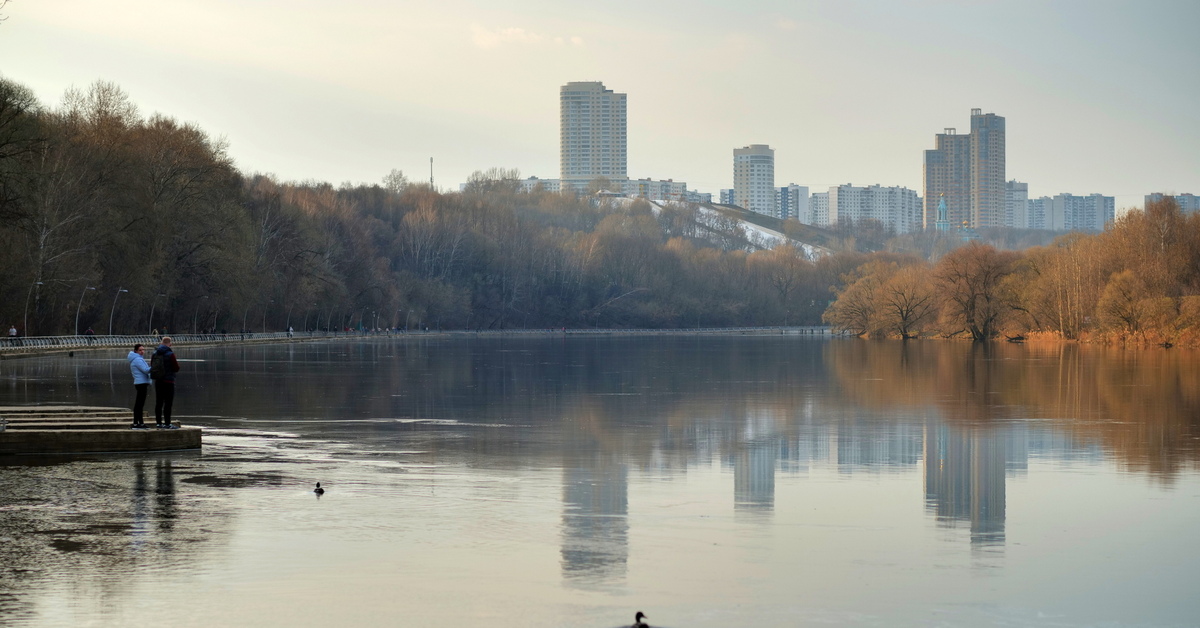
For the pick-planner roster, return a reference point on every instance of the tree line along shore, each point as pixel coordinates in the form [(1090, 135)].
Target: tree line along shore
[(112, 218)]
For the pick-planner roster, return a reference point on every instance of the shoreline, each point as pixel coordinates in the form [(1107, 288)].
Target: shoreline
[(41, 346)]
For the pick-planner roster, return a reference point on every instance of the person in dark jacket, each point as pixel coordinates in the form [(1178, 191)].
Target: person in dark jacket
[(164, 384)]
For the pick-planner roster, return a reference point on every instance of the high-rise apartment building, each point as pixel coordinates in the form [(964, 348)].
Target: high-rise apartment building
[(592, 127), (968, 172), (1016, 204), (896, 207), (1068, 212), (987, 169), (818, 205), (948, 178), (793, 203), (754, 178), (1188, 203), (1040, 212)]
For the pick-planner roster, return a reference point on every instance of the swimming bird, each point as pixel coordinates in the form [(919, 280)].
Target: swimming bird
[(637, 621), (319, 490)]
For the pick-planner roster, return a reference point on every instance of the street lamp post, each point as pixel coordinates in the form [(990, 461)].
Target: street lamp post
[(114, 309), (77, 307), (406, 317), (26, 325), (153, 302)]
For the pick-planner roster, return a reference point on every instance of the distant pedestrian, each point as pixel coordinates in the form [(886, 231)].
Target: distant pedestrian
[(163, 367), (141, 383), (12, 331)]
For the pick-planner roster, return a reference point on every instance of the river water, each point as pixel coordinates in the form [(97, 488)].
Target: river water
[(551, 481)]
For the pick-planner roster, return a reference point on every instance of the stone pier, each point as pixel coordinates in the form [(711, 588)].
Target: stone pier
[(83, 429)]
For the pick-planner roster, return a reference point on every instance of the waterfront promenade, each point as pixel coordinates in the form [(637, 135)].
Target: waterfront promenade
[(47, 345)]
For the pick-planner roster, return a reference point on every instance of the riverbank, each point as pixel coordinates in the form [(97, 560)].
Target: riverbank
[(12, 348)]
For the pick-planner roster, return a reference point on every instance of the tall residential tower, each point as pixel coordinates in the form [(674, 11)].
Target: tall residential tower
[(754, 178), (967, 171), (591, 134)]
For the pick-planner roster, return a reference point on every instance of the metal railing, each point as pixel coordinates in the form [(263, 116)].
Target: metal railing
[(18, 344)]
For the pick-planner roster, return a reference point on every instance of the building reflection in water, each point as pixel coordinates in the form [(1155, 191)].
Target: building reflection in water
[(754, 475), (965, 469), (966, 465), (754, 462), (595, 526)]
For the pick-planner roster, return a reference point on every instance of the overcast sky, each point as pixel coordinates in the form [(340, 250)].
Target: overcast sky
[(1099, 96)]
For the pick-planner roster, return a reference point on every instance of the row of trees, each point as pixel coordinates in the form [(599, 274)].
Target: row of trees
[(1137, 281), (110, 218)]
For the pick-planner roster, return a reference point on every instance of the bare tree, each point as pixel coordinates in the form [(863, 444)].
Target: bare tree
[(784, 269), (908, 300), (395, 181), (970, 279)]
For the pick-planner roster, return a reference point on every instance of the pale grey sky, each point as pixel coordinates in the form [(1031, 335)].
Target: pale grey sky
[(1099, 95)]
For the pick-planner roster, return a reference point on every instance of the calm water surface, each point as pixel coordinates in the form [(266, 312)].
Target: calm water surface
[(572, 481)]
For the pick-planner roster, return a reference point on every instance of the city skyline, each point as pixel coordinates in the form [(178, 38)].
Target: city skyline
[(1096, 95)]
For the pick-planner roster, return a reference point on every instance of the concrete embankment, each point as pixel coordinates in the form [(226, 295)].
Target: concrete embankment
[(51, 345), (82, 429)]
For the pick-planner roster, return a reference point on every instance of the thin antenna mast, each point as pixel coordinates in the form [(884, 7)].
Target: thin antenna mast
[(431, 172)]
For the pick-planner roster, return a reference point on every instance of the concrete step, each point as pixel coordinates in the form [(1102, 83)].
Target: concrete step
[(67, 410), (69, 426), (81, 441), (75, 421), (54, 417), (59, 418)]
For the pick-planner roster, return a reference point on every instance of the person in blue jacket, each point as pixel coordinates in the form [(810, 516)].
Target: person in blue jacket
[(141, 383), (164, 386)]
